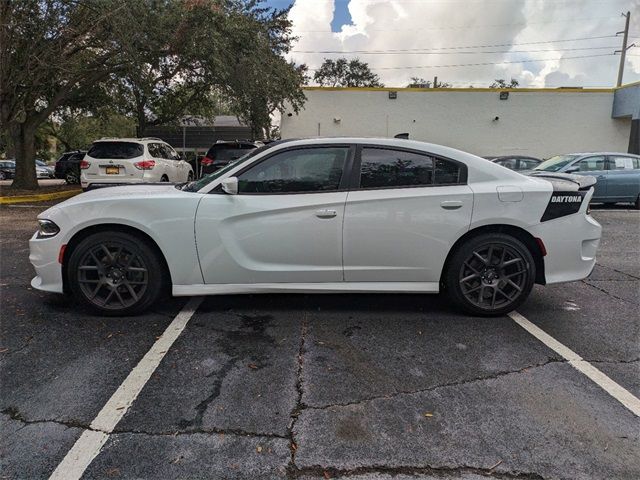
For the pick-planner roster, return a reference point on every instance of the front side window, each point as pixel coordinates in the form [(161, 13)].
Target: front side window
[(296, 171), (591, 164)]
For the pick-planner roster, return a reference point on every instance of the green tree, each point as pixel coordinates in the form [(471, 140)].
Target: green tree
[(346, 73), (50, 52), (419, 82), (502, 83)]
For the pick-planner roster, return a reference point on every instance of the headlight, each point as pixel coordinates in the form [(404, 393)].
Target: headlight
[(46, 228)]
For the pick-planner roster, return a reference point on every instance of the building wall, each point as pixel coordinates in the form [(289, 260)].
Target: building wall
[(530, 122)]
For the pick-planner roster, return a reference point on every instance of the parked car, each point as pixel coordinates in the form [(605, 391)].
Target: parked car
[(132, 160), (324, 215), (43, 170), (618, 174), (516, 162), (68, 166), (7, 169), (222, 152)]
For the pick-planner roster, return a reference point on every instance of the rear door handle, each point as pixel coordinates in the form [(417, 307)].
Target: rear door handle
[(326, 213), (451, 204)]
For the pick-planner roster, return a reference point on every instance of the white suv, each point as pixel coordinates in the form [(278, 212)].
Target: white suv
[(132, 160)]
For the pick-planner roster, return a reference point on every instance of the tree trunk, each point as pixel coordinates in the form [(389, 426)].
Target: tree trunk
[(23, 139)]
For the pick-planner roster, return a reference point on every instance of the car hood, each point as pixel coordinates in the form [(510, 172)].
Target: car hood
[(123, 192), (564, 181)]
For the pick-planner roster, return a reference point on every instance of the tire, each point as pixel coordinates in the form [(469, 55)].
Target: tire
[(115, 273), (190, 177), (164, 178), (3, 176), (498, 267)]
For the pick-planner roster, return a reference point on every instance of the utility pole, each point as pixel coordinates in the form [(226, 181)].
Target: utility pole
[(623, 52)]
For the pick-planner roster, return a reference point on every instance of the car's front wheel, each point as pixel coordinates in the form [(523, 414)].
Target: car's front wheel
[(491, 274), (115, 273)]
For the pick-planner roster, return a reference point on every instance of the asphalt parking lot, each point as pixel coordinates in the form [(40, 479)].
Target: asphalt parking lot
[(327, 386)]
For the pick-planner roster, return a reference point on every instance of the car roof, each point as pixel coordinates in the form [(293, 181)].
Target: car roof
[(134, 140), (583, 154)]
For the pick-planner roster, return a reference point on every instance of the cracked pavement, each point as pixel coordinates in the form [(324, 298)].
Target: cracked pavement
[(328, 386)]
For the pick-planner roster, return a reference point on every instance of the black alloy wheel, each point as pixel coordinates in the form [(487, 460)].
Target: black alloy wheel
[(115, 273), (490, 275)]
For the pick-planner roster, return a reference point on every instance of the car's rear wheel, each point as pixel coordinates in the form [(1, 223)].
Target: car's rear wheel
[(115, 273), (637, 204), (3, 176), (164, 178), (491, 274), (190, 177)]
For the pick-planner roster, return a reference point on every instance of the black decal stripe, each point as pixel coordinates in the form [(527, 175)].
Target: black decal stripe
[(562, 204)]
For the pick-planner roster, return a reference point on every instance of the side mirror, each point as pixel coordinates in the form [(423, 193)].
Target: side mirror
[(230, 185), (572, 169)]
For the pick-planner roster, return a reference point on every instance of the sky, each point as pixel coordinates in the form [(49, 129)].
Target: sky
[(471, 42)]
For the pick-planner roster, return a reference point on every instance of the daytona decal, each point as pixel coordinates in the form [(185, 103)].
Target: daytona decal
[(562, 204)]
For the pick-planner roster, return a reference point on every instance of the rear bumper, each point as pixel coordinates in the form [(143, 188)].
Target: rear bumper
[(571, 243)]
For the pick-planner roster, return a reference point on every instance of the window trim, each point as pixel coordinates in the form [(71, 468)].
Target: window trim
[(354, 184), (344, 181)]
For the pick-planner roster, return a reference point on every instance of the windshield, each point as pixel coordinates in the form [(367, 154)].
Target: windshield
[(555, 164)]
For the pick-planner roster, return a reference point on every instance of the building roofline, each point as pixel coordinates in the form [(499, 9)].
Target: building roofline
[(516, 90)]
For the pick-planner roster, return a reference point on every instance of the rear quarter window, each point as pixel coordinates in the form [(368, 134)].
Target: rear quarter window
[(121, 150)]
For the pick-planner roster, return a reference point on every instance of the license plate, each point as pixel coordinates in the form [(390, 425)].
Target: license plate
[(112, 170)]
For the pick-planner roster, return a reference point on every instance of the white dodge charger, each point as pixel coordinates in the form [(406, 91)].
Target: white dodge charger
[(324, 215)]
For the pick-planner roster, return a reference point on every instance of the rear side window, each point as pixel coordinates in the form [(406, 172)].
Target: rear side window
[(624, 163), (121, 150), (386, 168)]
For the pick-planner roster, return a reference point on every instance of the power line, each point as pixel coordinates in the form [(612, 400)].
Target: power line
[(461, 47), (388, 52), (487, 63)]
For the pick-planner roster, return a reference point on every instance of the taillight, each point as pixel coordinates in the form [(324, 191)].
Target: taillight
[(206, 161), (84, 164), (145, 164)]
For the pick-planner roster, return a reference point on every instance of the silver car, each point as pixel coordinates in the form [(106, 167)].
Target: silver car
[(618, 174)]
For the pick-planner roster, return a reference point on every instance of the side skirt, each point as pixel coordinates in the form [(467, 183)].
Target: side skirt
[(337, 287)]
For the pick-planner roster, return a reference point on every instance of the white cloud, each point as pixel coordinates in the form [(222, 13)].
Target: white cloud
[(442, 24)]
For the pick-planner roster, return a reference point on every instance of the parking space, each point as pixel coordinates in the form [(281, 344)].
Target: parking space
[(328, 386)]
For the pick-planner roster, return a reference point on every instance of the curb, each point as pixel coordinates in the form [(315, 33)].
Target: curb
[(38, 198)]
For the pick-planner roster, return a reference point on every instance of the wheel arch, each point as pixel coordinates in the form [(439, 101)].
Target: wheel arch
[(517, 232), (109, 227)]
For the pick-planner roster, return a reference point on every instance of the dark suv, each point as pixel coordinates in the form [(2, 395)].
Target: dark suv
[(223, 152), (68, 166)]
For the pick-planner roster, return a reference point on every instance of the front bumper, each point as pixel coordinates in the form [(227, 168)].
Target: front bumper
[(43, 255)]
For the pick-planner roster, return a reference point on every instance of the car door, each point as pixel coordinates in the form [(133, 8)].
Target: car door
[(403, 213), (285, 223), (623, 178), (595, 166)]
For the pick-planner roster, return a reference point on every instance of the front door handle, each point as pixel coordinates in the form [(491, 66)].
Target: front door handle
[(326, 213), (451, 204)]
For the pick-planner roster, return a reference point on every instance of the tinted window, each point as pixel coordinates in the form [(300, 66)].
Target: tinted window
[(624, 163), (228, 151), (528, 164), (115, 150), (591, 164), (447, 173), (511, 163), (393, 168), (296, 171)]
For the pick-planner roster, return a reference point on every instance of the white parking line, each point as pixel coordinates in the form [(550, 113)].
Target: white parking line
[(618, 392), (88, 446)]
